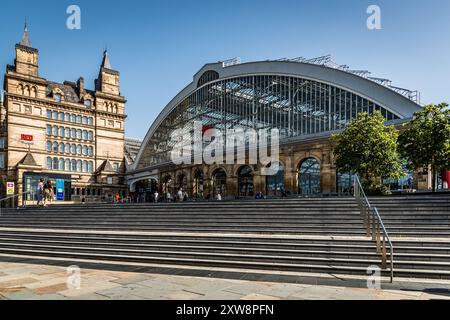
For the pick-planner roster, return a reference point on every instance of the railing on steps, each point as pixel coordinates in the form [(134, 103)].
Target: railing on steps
[(13, 197), (374, 226)]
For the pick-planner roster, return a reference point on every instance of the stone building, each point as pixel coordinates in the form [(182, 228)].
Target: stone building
[(305, 100), (62, 132)]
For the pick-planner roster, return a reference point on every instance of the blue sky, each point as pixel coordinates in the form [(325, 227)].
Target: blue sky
[(158, 45)]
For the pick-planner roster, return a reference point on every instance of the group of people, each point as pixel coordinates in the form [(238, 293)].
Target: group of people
[(45, 193)]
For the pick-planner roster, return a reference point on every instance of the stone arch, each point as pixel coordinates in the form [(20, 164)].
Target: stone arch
[(20, 89), (309, 176)]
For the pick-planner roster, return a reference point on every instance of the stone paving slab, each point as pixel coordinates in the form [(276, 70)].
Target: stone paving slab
[(21, 281)]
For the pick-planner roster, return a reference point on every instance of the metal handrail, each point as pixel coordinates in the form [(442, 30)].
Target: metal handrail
[(15, 196), (375, 226)]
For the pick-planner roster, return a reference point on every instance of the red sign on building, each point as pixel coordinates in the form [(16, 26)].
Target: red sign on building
[(26, 137)]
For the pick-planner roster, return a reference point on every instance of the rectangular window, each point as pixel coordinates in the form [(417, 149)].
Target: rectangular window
[(2, 160), (2, 143)]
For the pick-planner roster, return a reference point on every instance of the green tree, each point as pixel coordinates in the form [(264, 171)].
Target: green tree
[(369, 148), (425, 143)]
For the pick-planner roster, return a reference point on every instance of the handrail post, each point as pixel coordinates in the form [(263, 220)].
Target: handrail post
[(375, 227), (384, 254)]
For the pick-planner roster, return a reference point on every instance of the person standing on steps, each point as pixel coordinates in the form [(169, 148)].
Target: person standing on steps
[(50, 193), (40, 192)]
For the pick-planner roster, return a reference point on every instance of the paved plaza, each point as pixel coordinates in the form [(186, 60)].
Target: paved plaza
[(26, 281)]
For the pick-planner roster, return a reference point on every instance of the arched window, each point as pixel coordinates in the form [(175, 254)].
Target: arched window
[(85, 120), (78, 119), (55, 131), (245, 182), (90, 136), (55, 115), (49, 114), (61, 164), (85, 150), (49, 130), (88, 104), (85, 135), (20, 89), (90, 167), (74, 165), (67, 165), (73, 149), (309, 177), (27, 91), (61, 132), (79, 134), (61, 116), (275, 179), (49, 163), (79, 149), (91, 151), (85, 166), (67, 132), (55, 146), (73, 118), (67, 117), (67, 148), (79, 166), (57, 97), (90, 121), (61, 147), (73, 133), (55, 163), (49, 146), (33, 92)]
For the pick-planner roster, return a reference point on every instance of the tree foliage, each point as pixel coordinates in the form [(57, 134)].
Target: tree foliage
[(426, 139), (369, 148)]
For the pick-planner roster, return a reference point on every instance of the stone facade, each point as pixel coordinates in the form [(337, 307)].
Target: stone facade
[(171, 178), (62, 130)]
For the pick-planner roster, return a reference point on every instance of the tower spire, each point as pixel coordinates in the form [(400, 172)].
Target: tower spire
[(106, 63), (25, 39)]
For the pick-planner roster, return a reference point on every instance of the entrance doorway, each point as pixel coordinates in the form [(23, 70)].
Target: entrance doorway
[(245, 182), (219, 182)]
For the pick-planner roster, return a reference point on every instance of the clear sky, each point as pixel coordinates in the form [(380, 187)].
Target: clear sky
[(158, 45)]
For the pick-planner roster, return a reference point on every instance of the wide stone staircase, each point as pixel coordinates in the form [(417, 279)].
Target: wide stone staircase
[(296, 235)]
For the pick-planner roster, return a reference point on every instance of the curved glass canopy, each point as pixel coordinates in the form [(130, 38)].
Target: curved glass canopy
[(295, 106)]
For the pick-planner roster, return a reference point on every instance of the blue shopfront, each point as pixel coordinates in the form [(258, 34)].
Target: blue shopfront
[(62, 185)]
